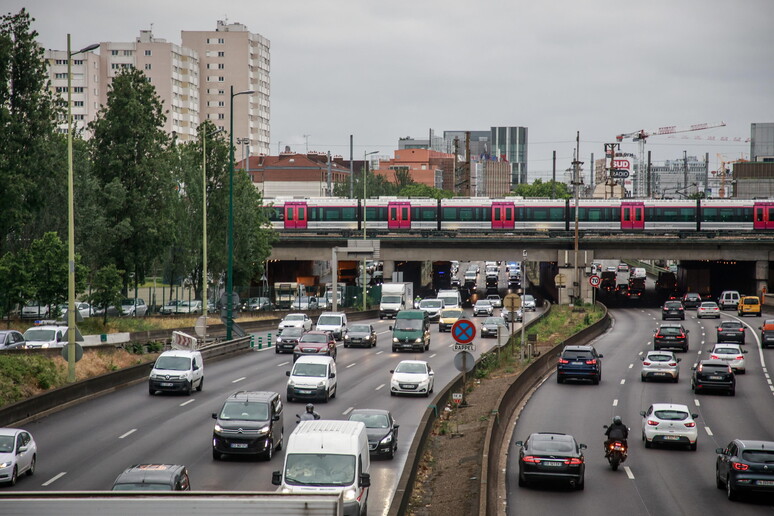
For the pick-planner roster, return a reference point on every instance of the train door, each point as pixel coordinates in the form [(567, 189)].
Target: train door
[(763, 215), (632, 215), (399, 215), (503, 215), (296, 215)]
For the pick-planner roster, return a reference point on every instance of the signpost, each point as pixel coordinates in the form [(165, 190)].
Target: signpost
[(595, 281), (457, 397), (463, 332), (512, 303)]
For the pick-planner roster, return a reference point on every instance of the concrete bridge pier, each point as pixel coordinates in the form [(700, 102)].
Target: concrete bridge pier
[(761, 277), (388, 267)]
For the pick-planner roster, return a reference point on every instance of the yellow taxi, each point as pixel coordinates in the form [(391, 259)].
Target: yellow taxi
[(749, 305), (449, 316)]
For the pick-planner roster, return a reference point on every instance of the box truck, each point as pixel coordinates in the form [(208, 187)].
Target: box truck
[(395, 297)]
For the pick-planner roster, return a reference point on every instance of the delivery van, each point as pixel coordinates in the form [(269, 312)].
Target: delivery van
[(411, 331), (177, 371), (313, 377), (329, 457)]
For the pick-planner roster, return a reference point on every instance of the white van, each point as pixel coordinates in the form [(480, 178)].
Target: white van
[(328, 457), (729, 300), (334, 322), (450, 298), (313, 377), (177, 370)]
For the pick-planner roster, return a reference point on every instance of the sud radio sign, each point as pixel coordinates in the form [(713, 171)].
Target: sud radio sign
[(622, 168)]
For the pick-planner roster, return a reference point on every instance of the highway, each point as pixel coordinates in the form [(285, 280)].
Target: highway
[(657, 480), (86, 446)]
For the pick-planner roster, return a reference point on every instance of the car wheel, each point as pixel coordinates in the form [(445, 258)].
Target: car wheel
[(675, 379), (215, 454), (522, 482), (581, 484), (559, 379), (392, 393), (693, 446), (326, 397), (201, 385), (730, 491), (151, 392), (269, 450), (732, 392), (189, 389), (31, 470), (643, 379), (394, 349), (12, 482), (276, 350), (645, 440), (391, 453), (596, 379), (335, 391)]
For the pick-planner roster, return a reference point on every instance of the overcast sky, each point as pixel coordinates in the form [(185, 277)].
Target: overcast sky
[(385, 70)]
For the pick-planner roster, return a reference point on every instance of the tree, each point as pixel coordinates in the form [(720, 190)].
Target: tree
[(14, 281), (540, 189), (422, 190), (131, 159), (106, 289), (376, 186)]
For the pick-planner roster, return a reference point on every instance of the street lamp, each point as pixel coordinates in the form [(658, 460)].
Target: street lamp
[(204, 224), (230, 272), (71, 217), (365, 181)]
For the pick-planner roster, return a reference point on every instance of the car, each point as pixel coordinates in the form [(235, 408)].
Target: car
[(297, 320), (611, 269), (449, 316), (257, 304), (248, 423), (335, 322), (496, 300), (673, 309), (433, 308), (528, 303), (512, 316), (360, 334), (153, 477), (731, 331), (483, 307), (382, 430), (305, 303), (470, 277), (18, 454), (691, 300), (474, 267), (745, 466), (288, 338), (83, 308), (455, 282), (34, 310), (729, 299), (713, 375), (671, 336), (11, 339), (622, 267), (190, 307), (749, 305), (313, 377), (134, 307), (732, 354), (412, 377), (177, 370), (767, 333), (547, 456), (170, 307), (315, 342), (708, 309), (580, 363), (669, 423), (660, 365), (491, 326), (46, 336)]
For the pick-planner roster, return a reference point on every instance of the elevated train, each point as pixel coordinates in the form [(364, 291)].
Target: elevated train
[(514, 214)]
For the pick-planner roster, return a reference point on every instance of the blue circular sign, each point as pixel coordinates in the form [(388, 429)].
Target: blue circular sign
[(463, 331)]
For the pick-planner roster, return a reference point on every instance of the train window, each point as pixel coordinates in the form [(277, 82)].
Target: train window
[(449, 213), (376, 214), (726, 214), (423, 213), (597, 214), (275, 213), (670, 214)]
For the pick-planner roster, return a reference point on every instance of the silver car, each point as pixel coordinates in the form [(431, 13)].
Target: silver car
[(660, 365), (528, 303), (483, 307), (732, 354)]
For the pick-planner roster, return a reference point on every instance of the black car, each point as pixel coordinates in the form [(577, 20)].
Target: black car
[(691, 300), (745, 466), (381, 428), (551, 457), (579, 362), (491, 325), (11, 339), (249, 423), (153, 477), (287, 339), (673, 310), (671, 336), (731, 331), (360, 335), (713, 375)]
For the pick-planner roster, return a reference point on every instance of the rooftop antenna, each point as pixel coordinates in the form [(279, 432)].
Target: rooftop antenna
[(306, 138)]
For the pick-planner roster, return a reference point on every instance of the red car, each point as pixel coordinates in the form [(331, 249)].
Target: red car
[(315, 343)]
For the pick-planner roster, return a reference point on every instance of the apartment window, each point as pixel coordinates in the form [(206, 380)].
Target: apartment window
[(221, 41), (148, 53), (221, 79), (114, 52), (127, 52), (78, 103), (221, 66), (221, 103), (61, 61), (115, 66), (78, 62), (221, 54), (61, 89), (147, 66), (79, 117), (221, 92), (221, 116), (78, 89), (60, 76)]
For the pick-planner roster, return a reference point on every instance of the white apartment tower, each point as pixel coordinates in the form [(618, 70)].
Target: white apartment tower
[(232, 56), (85, 83)]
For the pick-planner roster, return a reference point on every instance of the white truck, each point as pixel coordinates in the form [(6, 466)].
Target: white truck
[(395, 297), (451, 298), (329, 457)]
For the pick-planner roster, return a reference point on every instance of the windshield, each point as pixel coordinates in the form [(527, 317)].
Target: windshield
[(372, 420), (451, 314), (311, 370), (483, 302), (39, 335), (577, 355), (495, 320), (314, 337), (173, 363), (449, 300), (408, 324), (329, 320), (431, 303), (292, 331), (671, 415), (245, 411), (709, 305), (142, 486), (660, 358), (528, 299), (766, 456), (294, 317), (391, 299), (6, 443), (360, 328), (411, 368), (319, 469), (670, 330), (730, 325), (726, 351)]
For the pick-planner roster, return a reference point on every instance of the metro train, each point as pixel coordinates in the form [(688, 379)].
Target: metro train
[(514, 214)]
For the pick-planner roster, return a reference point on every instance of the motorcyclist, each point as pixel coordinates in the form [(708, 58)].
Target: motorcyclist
[(616, 432), (310, 414)]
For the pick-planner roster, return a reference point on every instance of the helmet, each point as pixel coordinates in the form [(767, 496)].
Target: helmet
[(310, 408), (617, 420)]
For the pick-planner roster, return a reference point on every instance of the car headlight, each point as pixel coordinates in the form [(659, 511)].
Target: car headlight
[(418, 340), (264, 430), (321, 384), (386, 440), (218, 428), (291, 384), (286, 490), (5, 464), (349, 495), (346, 337), (395, 339)]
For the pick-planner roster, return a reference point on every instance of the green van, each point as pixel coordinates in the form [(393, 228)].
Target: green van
[(411, 331)]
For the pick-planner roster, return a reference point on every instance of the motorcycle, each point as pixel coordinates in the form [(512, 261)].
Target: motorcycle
[(616, 451), (306, 416)]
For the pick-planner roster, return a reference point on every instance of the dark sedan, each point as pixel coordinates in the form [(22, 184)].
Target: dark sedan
[(551, 457), (713, 375), (287, 339), (580, 363), (381, 428), (767, 333), (745, 466), (691, 300), (731, 331), (491, 326), (673, 310), (671, 336), (362, 335)]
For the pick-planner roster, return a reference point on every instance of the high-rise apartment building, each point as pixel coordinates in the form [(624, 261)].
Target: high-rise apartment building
[(762, 142), (85, 83), (510, 144)]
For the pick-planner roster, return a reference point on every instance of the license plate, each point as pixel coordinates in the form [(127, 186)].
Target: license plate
[(165, 384), (553, 464), (239, 445), (659, 374), (305, 392), (764, 483), (577, 363), (671, 437), (669, 338), (715, 377)]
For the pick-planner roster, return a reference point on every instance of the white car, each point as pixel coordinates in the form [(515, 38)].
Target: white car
[(46, 336), (190, 307), (34, 310), (134, 308), (297, 321), (18, 454), (496, 300), (171, 307), (84, 309), (732, 354), (669, 423), (412, 377), (528, 303), (708, 309), (483, 307)]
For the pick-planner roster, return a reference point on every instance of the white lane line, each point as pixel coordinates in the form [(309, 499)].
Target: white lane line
[(127, 434), (766, 375), (286, 362), (709, 432), (631, 365), (615, 403), (239, 379), (623, 381), (629, 472), (350, 409), (54, 479), (451, 345), (351, 365), (768, 381), (647, 344), (379, 352), (187, 402), (431, 356), (382, 385), (696, 402)]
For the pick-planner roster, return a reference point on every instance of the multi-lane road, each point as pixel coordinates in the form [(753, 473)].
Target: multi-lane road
[(657, 480)]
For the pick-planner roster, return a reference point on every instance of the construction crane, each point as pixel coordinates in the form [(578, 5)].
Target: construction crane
[(723, 173), (642, 135)]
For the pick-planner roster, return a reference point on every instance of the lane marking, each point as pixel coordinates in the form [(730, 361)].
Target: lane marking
[(431, 356), (350, 409), (382, 385), (629, 472), (696, 402), (130, 432), (640, 353), (239, 379), (631, 365), (623, 381), (351, 365), (187, 402), (615, 403), (709, 432), (54, 479), (379, 352), (286, 362)]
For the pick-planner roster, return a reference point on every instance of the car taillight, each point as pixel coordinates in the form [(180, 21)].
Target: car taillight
[(659, 336), (645, 362), (690, 425), (563, 361), (714, 357), (672, 364), (682, 335), (652, 422), (741, 329), (591, 362), (740, 357), (720, 329), (573, 461), (680, 308), (530, 458), (739, 466)]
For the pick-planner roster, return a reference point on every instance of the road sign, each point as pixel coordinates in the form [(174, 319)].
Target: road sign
[(464, 347), (559, 280), (463, 331), (457, 397), (512, 302), (464, 362), (595, 281), (78, 352)]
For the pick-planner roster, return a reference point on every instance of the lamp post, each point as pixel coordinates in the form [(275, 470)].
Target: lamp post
[(230, 271), (204, 224), (365, 181), (71, 217)]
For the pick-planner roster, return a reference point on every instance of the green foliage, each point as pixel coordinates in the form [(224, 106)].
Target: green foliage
[(106, 289), (550, 189), (422, 190), (48, 268), (376, 186), (14, 281), (486, 364), (20, 370)]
